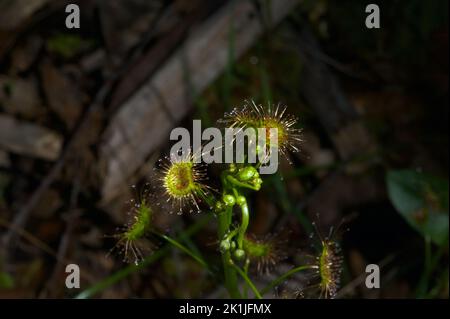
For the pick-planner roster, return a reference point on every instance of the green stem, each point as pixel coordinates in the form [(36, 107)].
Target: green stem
[(121, 274), (183, 248), (235, 182), (246, 266), (283, 277), (244, 222), (430, 265), (423, 283), (124, 272), (230, 275), (231, 234), (209, 199), (248, 281)]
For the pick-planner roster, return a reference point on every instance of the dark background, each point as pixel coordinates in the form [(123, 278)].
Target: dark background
[(86, 113)]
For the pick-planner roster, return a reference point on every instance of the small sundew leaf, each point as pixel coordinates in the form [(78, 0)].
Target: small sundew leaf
[(183, 182), (132, 241), (265, 252), (141, 224), (251, 115), (422, 200), (329, 264)]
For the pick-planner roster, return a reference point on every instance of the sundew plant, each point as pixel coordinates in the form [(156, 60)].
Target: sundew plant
[(184, 184)]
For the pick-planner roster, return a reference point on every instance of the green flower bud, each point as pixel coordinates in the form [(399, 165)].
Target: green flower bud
[(258, 181), (240, 200), (225, 245), (229, 200), (218, 206), (239, 254), (247, 173)]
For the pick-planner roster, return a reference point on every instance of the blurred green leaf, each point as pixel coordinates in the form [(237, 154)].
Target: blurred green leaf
[(67, 45), (422, 200), (6, 281)]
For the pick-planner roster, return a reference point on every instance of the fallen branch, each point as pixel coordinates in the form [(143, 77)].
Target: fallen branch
[(145, 119), (29, 139)]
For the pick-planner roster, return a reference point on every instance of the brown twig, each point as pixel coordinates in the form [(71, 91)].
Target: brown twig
[(71, 221), (150, 60), (131, 65), (30, 238), (352, 285)]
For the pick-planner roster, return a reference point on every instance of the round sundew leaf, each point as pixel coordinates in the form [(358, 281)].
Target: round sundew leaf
[(422, 200)]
